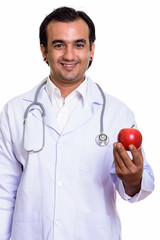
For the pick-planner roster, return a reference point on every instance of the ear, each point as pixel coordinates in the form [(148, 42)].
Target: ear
[(92, 50), (43, 51)]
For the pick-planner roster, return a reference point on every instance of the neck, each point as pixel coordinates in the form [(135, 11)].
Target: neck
[(66, 88)]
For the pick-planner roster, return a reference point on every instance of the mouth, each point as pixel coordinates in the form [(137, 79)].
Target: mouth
[(69, 66)]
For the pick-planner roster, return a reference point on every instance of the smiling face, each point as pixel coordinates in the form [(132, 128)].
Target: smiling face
[(68, 51)]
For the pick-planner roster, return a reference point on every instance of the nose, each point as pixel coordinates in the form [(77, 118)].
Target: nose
[(69, 54)]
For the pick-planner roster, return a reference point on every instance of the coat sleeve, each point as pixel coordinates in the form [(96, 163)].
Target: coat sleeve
[(147, 185), (10, 174), (124, 119)]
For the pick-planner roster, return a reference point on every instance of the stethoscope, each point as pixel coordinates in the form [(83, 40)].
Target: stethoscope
[(101, 139)]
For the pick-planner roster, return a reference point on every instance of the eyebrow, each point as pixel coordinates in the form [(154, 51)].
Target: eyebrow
[(81, 40)]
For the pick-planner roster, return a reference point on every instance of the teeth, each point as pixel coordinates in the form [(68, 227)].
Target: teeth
[(71, 65)]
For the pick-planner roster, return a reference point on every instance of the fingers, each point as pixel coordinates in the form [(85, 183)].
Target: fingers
[(129, 171), (121, 157), (137, 155)]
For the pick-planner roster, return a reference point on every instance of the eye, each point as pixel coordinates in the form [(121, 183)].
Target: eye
[(58, 46), (80, 45)]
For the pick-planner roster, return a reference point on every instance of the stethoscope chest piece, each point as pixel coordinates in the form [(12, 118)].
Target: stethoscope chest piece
[(102, 139)]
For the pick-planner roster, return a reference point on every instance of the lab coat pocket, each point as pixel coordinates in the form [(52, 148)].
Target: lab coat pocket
[(93, 227), (27, 226)]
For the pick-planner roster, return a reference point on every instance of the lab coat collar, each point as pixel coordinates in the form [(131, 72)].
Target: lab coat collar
[(93, 94), (82, 113)]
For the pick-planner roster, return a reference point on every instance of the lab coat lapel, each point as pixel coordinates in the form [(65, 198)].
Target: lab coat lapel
[(81, 114), (50, 117), (84, 111)]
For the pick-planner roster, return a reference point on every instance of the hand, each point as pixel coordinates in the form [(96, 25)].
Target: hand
[(129, 171)]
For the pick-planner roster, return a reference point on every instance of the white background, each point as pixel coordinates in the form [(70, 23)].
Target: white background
[(126, 65)]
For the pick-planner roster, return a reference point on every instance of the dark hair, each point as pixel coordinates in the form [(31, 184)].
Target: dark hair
[(65, 14)]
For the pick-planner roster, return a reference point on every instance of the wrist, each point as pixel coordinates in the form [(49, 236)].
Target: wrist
[(131, 190)]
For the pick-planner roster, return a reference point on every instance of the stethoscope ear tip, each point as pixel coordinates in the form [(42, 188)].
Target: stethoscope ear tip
[(102, 139)]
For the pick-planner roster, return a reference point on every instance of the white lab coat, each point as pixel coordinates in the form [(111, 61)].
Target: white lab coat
[(68, 190)]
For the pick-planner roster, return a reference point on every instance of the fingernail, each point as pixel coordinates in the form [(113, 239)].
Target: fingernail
[(119, 145), (115, 144), (131, 147)]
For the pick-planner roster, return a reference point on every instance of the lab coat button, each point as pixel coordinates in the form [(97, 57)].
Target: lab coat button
[(60, 144), (59, 183), (58, 223)]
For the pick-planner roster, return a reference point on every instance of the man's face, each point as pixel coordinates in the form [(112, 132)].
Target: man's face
[(68, 51)]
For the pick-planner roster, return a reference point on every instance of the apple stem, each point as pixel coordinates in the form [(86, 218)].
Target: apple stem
[(133, 126)]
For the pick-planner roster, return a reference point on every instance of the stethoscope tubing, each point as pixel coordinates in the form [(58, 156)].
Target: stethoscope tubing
[(43, 114), (101, 139)]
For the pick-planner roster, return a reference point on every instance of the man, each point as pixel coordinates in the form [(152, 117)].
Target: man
[(66, 189)]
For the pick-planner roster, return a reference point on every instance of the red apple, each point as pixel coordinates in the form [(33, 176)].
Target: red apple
[(129, 136)]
